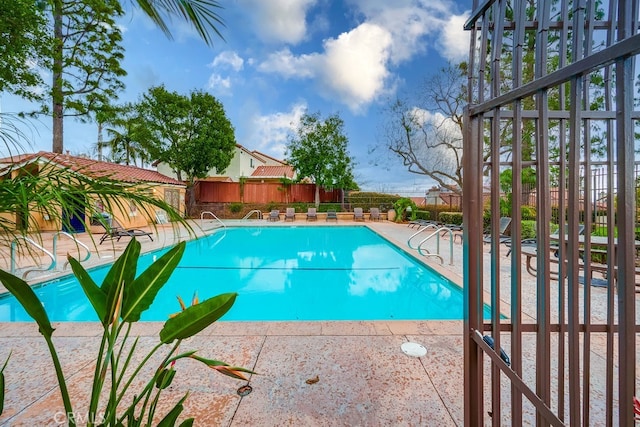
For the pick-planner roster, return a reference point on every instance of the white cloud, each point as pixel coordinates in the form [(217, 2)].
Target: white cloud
[(355, 66), (455, 41), (352, 68), (270, 132), (286, 64), (279, 20), (219, 84), (228, 59)]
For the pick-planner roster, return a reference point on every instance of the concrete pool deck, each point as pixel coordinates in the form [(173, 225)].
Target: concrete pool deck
[(363, 377)]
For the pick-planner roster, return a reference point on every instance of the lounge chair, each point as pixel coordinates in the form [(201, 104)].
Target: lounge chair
[(116, 231), (332, 215), (274, 215), (505, 222), (312, 215), (290, 214), (374, 214), (358, 214)]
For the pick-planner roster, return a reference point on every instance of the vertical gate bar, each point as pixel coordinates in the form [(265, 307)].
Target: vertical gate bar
[(562, 209), (473, 259), (626, 211), (543, 216), (576, 124), (586, 343), (499, 10), (608, 72), (516, 200)]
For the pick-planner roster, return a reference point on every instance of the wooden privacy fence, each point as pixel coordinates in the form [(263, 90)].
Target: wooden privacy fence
[(261, 192)]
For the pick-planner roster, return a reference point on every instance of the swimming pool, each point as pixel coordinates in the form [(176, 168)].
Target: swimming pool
[(282, 273)]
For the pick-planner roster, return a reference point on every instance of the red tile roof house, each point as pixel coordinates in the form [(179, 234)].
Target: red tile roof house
[(169, 189)]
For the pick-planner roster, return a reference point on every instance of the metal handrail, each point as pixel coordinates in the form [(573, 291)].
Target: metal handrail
[(14, 244), (259, 212), (55, 248), (214, 217), (437, 234), (426, 227)]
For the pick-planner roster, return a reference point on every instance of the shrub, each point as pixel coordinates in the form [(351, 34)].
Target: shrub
[(528, 229), (528, 213), (401, 207), (451, 218), (423, 215), (235, 207)]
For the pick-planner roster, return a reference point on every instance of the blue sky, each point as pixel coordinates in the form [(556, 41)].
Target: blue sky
[(282, 57)]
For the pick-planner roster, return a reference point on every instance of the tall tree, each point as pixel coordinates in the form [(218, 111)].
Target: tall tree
[(127, 136), (319, 151), (192, 134), (86, 59)]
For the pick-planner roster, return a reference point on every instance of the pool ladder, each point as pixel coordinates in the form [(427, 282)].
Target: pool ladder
[(53, 254), (255, 211), (213, 216), (436, 232)]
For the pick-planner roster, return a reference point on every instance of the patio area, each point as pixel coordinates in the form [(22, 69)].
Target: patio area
[(309, 373)]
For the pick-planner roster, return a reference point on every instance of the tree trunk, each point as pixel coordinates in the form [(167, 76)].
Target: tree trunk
[(56, 89), (317, 196)]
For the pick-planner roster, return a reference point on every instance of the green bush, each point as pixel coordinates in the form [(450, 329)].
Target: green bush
[(402, 206), (235, 207), (451, 218), (528, 229), (423, 215), (325, 207), (528, 213)]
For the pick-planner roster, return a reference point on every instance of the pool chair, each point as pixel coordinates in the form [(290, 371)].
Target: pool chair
[(374, 214), (274, 215), (312, 215), (505, 222), (116, 231), (332, 215), (358, 214), (290, 214)]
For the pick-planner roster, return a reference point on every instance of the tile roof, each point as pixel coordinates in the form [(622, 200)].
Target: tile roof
[(273, 172), (94, 168)]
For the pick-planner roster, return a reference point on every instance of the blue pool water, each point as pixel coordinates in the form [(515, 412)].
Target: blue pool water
[(282, 273)]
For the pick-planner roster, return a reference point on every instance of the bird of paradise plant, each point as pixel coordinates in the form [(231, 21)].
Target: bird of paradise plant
[(119, 302)]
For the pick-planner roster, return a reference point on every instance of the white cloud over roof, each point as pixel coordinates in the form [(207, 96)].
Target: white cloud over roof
[(270, 132)]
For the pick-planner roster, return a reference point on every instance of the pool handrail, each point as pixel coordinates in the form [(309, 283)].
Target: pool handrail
[(32, 242), (76, 241), (426, 227), (437, 233), (259, 212), (214, 217)]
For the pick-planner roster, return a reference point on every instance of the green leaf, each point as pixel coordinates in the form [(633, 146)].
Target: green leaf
[(139, 294), (187, 423), (94, 293), (2, 384), (197, 317), (170, 419), (123, 271), (28, 300)]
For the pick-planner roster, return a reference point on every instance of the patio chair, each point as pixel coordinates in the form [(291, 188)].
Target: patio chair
[(358, 214), (312, 214), (505, 222), (116, 231), (374, 214), (290, 214), (274, 215), (332, 215)]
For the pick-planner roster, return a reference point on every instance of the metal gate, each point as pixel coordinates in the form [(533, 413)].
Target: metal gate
[(554, 102)]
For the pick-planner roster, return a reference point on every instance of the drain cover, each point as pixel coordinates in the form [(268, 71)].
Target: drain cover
[(245, 390), (413, 349)]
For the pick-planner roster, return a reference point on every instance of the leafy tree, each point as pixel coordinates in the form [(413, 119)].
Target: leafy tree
[(24, 42), (128, 137), (192, 134), (319, 151)]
